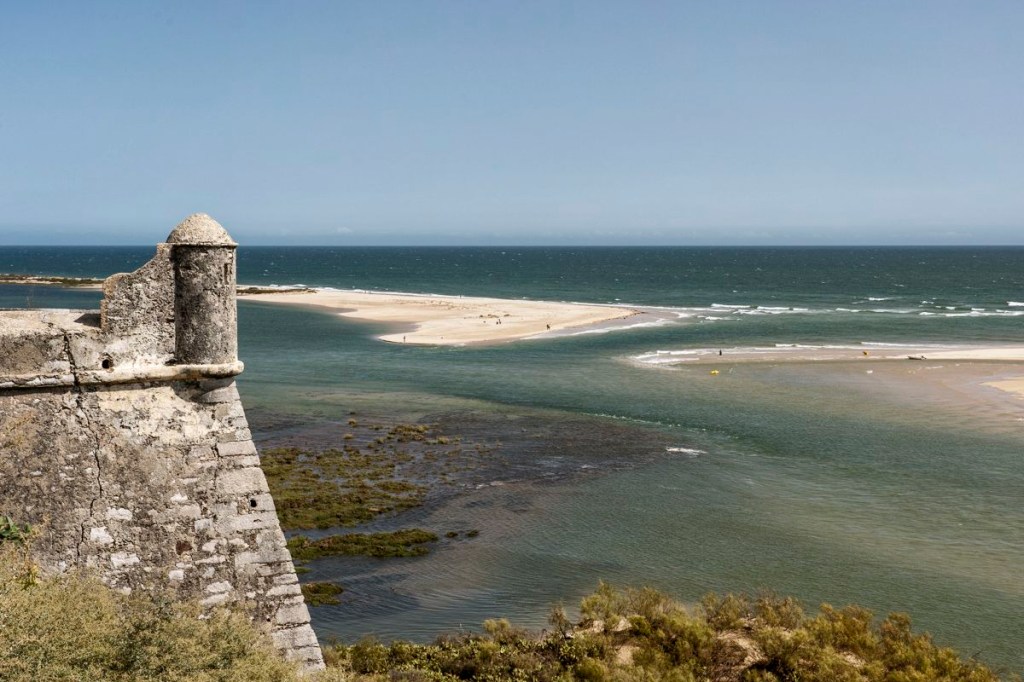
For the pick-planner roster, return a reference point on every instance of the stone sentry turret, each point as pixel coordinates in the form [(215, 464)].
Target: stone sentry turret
[(205, 318), (178, 310), (124, 441)]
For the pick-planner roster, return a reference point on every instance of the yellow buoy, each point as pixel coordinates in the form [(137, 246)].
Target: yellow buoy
[(714, 371)]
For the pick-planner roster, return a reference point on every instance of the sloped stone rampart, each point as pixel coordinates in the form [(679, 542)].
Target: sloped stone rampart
[(141, 467)]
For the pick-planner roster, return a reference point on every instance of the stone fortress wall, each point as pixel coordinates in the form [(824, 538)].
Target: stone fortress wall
[(124, 442)]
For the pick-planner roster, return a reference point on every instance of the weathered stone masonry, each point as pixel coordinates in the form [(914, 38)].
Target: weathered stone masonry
[(123, 439)]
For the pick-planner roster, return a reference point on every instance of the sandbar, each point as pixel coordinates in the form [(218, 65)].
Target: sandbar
[(913, 357), (438, 320), (836, 353), (60, 281)]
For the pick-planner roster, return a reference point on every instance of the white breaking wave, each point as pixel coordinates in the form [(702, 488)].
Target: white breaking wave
[(693, 452), (276, 286), (774, 310), (993, 313), (734, 312), (826, 346), (668, 357), (617, 328), (885, 344)]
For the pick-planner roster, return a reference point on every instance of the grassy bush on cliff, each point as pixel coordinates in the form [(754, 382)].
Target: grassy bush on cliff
[(643, 635), (73, 627)]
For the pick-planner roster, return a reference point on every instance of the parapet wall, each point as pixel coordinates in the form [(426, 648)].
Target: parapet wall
[(123, 439)]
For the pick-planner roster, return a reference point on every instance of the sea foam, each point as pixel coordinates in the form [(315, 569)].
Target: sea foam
[(692, 452)]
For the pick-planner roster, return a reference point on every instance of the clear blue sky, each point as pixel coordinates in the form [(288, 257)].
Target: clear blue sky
[(544, 122)]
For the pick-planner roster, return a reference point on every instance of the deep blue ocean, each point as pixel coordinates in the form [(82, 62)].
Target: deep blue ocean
[(900, 487)]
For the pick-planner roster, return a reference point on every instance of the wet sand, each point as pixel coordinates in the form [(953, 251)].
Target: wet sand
[(1014, 386), (983, 385)]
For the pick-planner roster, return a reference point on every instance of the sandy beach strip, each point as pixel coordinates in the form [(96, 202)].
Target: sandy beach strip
[(57, 281), (453, 320)]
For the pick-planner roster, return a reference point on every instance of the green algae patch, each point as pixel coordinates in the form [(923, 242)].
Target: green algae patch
[(336, 487), (321, 594), (400, 543), (377, 470)]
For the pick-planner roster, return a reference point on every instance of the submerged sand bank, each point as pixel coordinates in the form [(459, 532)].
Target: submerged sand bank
[(1014, 386), (453, 320), (914, 358), (852, 352)]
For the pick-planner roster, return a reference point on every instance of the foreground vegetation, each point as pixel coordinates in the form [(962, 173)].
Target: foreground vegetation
[(644, 635), (72, 627)]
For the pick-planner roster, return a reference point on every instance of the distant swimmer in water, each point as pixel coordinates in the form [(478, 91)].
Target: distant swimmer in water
[(719, 352)]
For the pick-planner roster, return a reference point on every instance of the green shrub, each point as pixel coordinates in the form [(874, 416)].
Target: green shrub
[(604, 605), (775, 611), (849, 630), (369, 656), (725, 613), (72, 627), (645, 636)]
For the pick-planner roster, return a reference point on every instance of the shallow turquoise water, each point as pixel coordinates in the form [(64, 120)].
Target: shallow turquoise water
[(817, 480)]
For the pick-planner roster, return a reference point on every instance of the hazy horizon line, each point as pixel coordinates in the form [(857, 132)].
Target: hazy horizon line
[(544, 246)]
